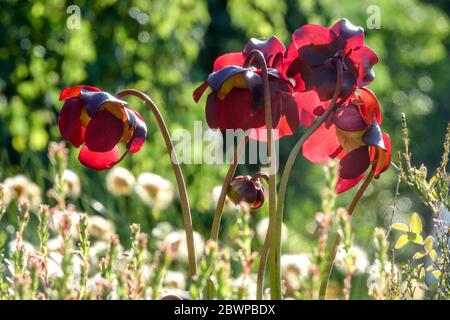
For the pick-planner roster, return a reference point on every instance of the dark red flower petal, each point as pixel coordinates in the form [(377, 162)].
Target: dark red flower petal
[(363, 60), (309, 106), (197, 94), (103, 132), (136, 121), (69, 122), (351, 35), (315, 44), (384, 156), (322, 145), (99, 160), (95, 100), (228, 59), (354, 163), (346, 184), (370, 109), (348, 118), (74, 91), (235, 111), (272, 49)]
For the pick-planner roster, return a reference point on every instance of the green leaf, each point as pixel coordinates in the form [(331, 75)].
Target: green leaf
[(432, 254), (400, 227), (414, 237), (418, 255), (436, 274), (430, 268), (428, 243), (415, 224), (401, 241)]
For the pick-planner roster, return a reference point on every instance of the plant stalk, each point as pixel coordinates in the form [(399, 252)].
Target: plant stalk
[(185, 208), (337, 240)]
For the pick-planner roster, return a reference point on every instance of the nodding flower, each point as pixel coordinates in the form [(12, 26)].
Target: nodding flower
[(99, 122)]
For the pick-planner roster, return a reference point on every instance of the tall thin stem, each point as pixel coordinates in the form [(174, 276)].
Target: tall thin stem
[(275, 279), (223, 192), (337, 240), (185, 208), (275, 248)]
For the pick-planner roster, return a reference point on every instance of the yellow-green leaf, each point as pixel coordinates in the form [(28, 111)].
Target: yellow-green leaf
[(400, 227), (401, 241), (428, 243), (418, 255), (436, 274), (415, 224), (432, 254)]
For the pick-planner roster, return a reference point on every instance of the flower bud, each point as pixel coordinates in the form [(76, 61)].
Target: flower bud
[(247, 189)]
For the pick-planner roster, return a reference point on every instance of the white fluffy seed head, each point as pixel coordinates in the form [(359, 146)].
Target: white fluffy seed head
[(154, 190), (120, 181), (71, 183)]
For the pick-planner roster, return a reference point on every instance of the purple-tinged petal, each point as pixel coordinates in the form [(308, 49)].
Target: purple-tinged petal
[(348, 118), (272, 49), (229, 59), (374, 137), (95, 100), (351, 35), (216, 79), (137, 139)]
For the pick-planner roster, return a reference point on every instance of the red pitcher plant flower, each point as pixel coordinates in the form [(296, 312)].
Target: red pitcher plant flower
[(310, 56), (98, 122), (352, 134), (236, 100), (248, 189)]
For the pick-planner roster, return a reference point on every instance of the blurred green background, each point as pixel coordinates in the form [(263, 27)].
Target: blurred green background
[(166, 48)]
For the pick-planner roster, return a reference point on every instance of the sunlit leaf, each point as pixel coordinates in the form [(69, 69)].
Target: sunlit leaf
[(436, 274), (415, 224), (400, 227), (432, 254), (401, 241), (418, 255), (428, 244)]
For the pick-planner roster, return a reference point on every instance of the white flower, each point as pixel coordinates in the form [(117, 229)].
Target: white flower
[(100, 228), (374, 272), (119, 181), (261, 230), (175, 280), (228, 204), (177, 240), (71, 183), (5, 197), (294, 268), (356, 260), (20, 187), (154, 190)]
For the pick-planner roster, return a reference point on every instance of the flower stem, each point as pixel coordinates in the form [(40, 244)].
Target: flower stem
[(185, 208), (275, 237), (223, 193), (337, 240), (275, 247)]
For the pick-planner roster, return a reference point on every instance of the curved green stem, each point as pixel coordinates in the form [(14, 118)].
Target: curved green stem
[(337, 240), (223, 192), (275, 278), (185, 208)]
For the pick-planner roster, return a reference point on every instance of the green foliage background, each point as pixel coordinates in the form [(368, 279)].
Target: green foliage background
[(166, 48)]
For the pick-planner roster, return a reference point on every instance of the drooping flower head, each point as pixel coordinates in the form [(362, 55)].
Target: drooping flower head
[(352, 134), (248, 189), (309, 59), (236, 100), (99, 122)]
